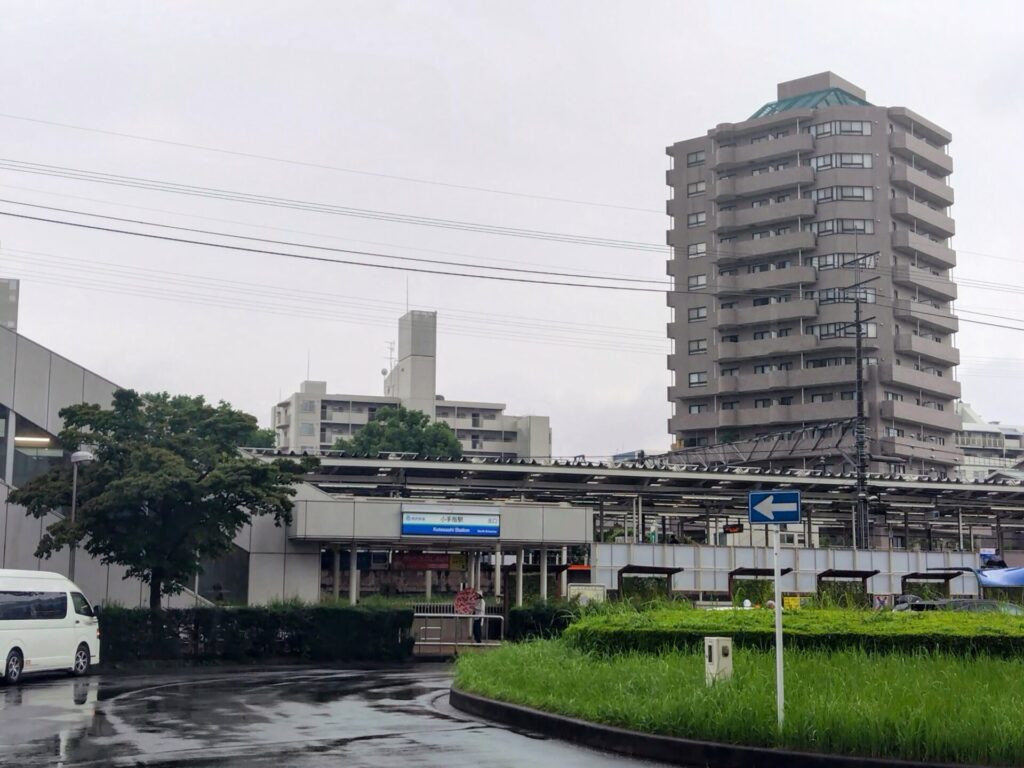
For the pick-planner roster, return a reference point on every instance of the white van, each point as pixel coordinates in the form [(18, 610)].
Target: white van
[(45, 624)]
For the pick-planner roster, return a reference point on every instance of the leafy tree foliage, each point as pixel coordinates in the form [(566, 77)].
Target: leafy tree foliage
[(405, 430), (257, 438), (168, 487)]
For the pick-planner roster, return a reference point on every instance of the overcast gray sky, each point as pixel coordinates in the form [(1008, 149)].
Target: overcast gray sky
[(573, 100)]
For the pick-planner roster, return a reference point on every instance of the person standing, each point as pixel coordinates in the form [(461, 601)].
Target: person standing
[(479, 611)]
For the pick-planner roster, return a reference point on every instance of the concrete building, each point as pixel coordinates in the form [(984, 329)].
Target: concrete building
[(773, 220), (988, 446), (9, 304), (312, 419)]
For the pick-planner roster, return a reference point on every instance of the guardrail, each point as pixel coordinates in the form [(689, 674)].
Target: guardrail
[(435, 630)]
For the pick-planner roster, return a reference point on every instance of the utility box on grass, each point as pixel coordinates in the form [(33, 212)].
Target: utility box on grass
[(717, 659)]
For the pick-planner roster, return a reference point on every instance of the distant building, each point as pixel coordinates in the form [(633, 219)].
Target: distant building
[(9, 304), (313, 419), (988, 446)]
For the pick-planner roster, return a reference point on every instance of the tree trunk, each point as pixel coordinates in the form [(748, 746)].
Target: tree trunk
[(155, 583)]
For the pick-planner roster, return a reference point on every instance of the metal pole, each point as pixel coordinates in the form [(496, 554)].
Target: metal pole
[(428, 583), (519, 577), (862, 462), (74, 511), (960, 526), (780, 693)]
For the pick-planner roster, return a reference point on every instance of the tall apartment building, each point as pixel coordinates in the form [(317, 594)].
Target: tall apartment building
[(9, 304), (774, 219), (313, 419)]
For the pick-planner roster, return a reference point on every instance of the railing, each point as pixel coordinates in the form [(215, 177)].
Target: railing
[(454, 629)]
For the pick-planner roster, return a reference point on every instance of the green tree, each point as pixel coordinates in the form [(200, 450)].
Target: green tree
[(405, 430), (168, 487), (257, 438)]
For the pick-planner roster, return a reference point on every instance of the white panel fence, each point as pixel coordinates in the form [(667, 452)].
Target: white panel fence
[(706, 569)]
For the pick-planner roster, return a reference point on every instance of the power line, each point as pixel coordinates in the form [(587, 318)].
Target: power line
[(269, 241), (325, 167), (132, 182), (349, 262)]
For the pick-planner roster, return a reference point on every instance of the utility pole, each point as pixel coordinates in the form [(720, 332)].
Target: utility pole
[(859, 433)]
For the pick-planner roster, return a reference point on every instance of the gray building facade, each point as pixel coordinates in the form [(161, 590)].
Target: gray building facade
[(775, 219), (9, 304)]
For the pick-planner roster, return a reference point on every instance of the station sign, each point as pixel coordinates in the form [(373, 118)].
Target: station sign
[(450, 522)]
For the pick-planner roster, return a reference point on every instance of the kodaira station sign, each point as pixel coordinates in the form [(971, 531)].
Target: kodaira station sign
[(436, 520)]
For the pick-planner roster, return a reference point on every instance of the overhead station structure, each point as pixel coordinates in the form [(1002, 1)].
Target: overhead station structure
[(623, 519)]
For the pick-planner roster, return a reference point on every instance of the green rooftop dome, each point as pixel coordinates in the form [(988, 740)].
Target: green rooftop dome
[(828, 98)]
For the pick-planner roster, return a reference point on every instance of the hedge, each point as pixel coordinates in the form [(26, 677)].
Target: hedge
[(541, 619), (822, 629), (315, 633)]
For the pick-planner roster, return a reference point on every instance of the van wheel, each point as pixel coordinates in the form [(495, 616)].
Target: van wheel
[(82, 660), (13, 667)]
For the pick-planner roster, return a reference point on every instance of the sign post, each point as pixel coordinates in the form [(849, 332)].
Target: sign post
[(776, 508)]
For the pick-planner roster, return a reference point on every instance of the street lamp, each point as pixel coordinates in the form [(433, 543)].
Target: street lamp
[(78, 457)]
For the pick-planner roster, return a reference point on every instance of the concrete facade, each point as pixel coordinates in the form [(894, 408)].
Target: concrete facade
[(9, 304), (35, 384), (774, 219), (312, 419)]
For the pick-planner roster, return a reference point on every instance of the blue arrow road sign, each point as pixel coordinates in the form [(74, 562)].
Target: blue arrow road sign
[(773, 507)]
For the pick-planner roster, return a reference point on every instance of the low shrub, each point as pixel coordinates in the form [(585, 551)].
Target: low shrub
[(315, 633), (541, 619), (882, 632)]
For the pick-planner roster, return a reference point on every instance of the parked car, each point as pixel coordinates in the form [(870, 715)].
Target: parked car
[(46, 624), (914, 603)]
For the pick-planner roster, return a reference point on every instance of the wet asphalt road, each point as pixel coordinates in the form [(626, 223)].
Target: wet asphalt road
[(278, 717)]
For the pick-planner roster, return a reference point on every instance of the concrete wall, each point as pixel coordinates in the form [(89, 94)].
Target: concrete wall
[(707, 568)]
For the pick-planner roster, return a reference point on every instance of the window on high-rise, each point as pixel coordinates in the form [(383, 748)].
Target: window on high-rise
[(822, 397), (698, 379), (729, 405), (698, 219), (696, 250), (696, 314), (696, 158), (763, 402), (696, 282), (697, 346), (696, 188), (695, 408)]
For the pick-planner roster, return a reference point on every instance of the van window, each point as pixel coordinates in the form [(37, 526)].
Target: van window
[(82, 607), (26, 606)]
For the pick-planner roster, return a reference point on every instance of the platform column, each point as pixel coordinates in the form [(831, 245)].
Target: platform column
[(336, 571), (564, 578), (543, 573), (353, 575), (519, 578), (497, 570)]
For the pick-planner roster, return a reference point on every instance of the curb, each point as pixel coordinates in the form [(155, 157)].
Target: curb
[(664, 749)]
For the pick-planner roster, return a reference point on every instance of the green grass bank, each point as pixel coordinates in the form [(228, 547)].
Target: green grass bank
[(933, 707)]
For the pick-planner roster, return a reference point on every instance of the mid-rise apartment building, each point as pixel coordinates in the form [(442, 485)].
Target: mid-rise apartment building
[(313, 419), (774, 220), (988, 446)]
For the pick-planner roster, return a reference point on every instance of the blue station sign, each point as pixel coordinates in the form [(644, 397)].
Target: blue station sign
[(443, 521)]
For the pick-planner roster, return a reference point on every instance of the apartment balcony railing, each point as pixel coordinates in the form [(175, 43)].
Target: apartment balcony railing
[(937, 351), (921, 153), (746, 154), (922, 217), (922, 185), (916, 244), (923, 279), (762, 184)]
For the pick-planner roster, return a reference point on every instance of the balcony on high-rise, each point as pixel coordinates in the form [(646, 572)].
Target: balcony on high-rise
[(921, 185), (916, 244), (764, 215), (921, 154), (762, 151), (940, 352), (922, 217), (924, 280), (762, 184)]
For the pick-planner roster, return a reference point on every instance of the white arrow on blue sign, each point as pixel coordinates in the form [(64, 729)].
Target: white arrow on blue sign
[(767, 507)]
